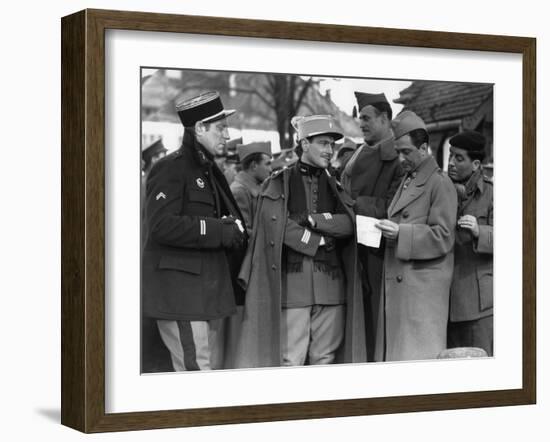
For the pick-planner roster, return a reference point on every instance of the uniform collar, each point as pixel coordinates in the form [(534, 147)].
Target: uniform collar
[(308, 170), (386, 148)]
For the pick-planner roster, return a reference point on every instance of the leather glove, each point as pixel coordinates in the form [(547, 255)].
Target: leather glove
[(232, 236), (330, 243)]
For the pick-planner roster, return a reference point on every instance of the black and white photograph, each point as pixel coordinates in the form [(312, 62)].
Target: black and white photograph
[(297, 220)]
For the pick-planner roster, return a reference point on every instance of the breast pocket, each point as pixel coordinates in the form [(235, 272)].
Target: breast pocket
[(200, 203)]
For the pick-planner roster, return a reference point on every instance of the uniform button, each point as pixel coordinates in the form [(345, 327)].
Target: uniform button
[(314, 190), (274, 267), (399, 278), (405, 214), (272, 243), (274, 218), (282, 196)]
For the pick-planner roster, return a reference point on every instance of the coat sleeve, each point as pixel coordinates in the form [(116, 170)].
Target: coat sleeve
[(484, 243), (337, 225), (164, 202), (244, 201), (377, 207), (435, 237), (301, 239)]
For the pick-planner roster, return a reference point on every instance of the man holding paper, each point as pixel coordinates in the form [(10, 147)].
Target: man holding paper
[(418, 263), (371, 177)]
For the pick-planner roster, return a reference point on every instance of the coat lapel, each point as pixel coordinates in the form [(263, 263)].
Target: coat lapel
[(415, 188)]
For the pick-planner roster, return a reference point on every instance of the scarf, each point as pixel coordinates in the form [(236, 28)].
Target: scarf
[(326, 259), (466, 191)]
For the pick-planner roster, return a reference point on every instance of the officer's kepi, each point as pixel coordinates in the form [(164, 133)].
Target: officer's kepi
[(313, 125), (206, 108)]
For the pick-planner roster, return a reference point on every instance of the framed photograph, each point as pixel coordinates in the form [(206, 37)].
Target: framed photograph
[(136, 87)]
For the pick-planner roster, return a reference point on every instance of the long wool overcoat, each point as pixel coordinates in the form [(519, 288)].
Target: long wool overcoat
[(418, 268), (260, 340)]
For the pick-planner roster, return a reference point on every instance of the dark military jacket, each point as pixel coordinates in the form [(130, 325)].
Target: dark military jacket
[(186, 273)]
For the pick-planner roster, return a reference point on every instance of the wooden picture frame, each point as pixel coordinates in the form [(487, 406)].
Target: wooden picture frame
[(83, 220)]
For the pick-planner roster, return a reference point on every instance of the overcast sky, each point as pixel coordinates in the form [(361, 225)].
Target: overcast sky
[(342, 90)]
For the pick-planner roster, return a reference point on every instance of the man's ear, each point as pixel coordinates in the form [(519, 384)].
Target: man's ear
[(476, 164), (425, 148), (200, 127)]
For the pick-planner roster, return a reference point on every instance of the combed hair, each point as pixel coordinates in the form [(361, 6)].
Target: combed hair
[(419, 137), (252, 158)]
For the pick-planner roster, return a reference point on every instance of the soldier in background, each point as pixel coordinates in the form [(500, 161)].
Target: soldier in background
[(471, 309), (255, 161), (371, 176), (151, 154), (256, 167), (195, 239)]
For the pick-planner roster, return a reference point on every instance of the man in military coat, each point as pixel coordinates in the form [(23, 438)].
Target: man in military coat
[(371, 177), (418, 262), (303, 298), (471, 310), (195, 238), (255, 161)]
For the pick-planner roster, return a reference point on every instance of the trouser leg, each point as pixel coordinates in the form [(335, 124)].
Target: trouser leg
[(295, 335), (192, 344), (327, 333)]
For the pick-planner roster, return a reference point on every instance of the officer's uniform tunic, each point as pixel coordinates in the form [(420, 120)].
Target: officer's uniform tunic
[(187, 284), (313, 301)]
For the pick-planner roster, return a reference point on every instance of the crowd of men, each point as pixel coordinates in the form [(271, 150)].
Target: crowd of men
[(268, 271)]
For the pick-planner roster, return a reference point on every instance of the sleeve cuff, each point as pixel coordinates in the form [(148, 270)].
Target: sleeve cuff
[(210, 233), (404, 242), (484, 243)]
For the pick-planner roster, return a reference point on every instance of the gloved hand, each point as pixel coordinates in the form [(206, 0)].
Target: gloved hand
[(330, 243), (232, 236)]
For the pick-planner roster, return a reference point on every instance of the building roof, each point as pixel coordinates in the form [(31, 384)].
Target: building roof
[(441, 101)]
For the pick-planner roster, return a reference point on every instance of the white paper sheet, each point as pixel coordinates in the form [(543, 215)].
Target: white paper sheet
[(367, 232)]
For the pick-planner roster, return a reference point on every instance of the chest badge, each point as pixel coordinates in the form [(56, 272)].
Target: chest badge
[(200, 183), (160, 195)]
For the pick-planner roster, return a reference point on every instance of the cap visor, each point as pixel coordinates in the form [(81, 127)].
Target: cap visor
[(219, 116)]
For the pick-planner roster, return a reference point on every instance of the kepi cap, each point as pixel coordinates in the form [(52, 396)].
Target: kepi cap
[(316, 125), (469, 140), (364, 99), (245, 150), (206, 107), (406, 122)]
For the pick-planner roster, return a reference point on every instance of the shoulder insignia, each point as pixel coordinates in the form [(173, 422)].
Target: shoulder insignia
[(160, 195)]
